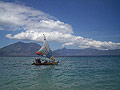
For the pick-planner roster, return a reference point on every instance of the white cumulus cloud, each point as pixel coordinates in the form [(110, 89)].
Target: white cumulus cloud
[(34, 23)]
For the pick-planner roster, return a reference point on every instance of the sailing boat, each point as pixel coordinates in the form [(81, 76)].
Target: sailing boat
[(45, 52)]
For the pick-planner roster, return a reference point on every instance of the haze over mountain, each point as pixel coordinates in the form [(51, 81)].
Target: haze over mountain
[(29, 49), (86, 52)]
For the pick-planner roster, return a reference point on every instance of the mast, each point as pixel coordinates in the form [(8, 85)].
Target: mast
[(44, 37)]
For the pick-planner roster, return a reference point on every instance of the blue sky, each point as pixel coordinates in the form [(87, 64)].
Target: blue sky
[(87, 23)]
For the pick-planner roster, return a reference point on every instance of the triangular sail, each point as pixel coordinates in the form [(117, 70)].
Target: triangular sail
[(45, 50)]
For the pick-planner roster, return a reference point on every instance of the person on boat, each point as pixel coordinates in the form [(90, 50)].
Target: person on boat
[(39, 61), (46, 61)]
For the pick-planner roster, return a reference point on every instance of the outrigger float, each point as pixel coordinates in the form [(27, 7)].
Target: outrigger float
[(46, 52)]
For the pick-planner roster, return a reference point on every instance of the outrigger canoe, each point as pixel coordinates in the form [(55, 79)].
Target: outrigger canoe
[(46, 52)]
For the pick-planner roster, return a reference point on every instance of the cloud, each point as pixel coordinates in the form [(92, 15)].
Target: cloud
[(27, 18), (33, 23)]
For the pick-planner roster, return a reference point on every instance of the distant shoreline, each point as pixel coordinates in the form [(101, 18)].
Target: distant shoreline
[(70, 56)]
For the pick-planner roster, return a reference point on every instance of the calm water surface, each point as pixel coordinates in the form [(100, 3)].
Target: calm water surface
[(73, 73)]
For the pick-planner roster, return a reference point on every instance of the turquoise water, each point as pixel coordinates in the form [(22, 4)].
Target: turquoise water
[(73, 73)]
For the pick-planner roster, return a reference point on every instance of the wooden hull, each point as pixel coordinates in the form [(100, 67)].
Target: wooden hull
[(55, 63)]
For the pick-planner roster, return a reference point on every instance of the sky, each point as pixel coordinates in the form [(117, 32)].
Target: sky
[(77, 24)]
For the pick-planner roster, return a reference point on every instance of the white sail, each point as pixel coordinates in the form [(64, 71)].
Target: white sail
[(45, 50)]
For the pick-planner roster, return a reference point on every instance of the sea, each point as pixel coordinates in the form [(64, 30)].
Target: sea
[(72, 73)]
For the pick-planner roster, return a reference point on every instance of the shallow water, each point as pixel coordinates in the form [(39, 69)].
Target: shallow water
[(73, 73)]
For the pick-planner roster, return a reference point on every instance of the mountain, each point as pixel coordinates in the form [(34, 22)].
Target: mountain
[(29, 49), (20, 49), (86, 52)]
